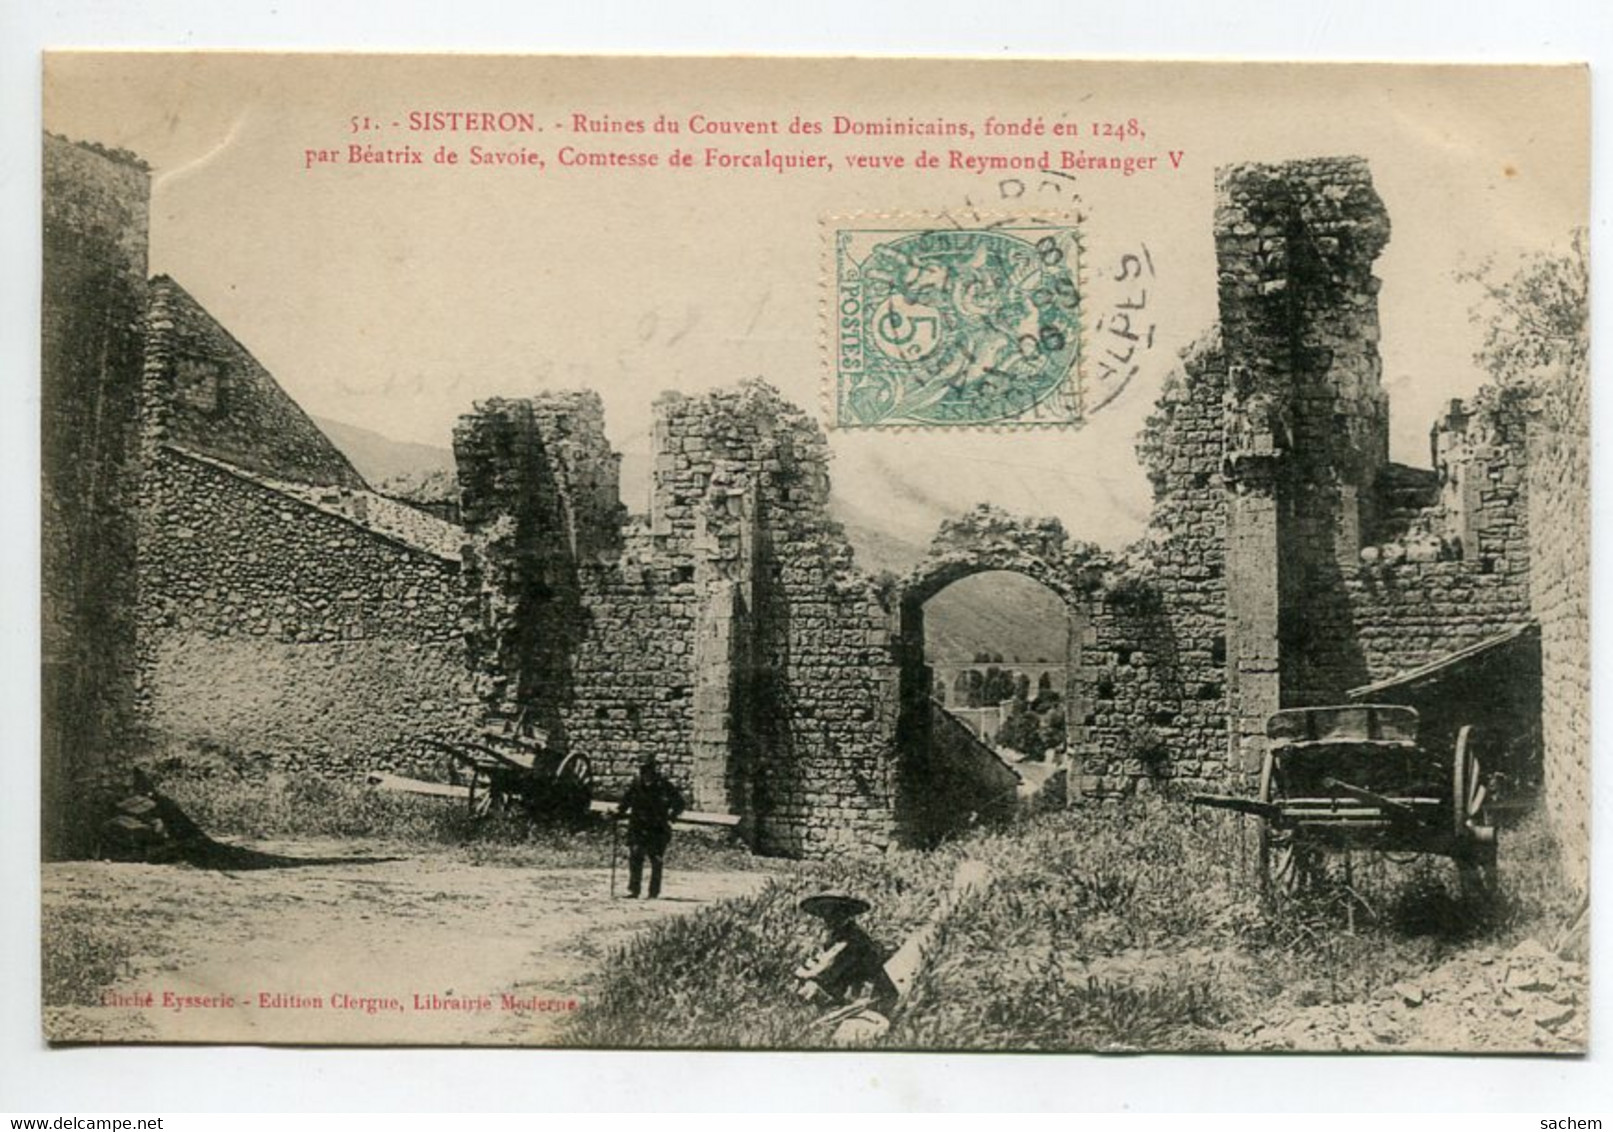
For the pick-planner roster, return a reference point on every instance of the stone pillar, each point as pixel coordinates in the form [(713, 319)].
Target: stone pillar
[(712, 735), (1253, 588), (725, 545)]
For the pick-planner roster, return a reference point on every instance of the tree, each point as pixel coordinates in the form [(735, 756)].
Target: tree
[(1022, 732), (1055, 730), (968, 687), (1536, 321), (997, 687)]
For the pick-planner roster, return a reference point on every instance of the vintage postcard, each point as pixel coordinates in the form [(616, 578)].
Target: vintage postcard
[(945, 554)]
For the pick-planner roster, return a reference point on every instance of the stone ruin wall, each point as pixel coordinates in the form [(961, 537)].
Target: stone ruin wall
[(1151, 700), (813, 685), (573, 624), (275, 622), (96, 207), (1290, 560), (1299, 319), (1458, 576), (1559, 483), (724, 633), (1287, 561), (1307, 414)]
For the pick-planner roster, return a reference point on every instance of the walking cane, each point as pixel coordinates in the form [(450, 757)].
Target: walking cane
[(613, 827)]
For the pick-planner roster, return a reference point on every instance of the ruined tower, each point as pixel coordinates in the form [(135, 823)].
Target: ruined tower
[(1307, 418), (96, 208)]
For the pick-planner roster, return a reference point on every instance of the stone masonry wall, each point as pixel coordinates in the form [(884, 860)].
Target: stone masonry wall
[(724, 633), (575, 623), (95, 223), (291, 634), (741, 485), (1461, 575), (1560, 546), (1300, 325), (1153, 662)]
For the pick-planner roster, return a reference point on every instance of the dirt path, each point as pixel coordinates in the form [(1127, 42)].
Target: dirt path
[(424, 949)]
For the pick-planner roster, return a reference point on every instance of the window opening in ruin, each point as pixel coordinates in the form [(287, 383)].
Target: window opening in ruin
[(999, 644), (198, 384)]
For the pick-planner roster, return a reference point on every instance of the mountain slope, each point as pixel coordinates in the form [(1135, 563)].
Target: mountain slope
[(379, 458), (996, 613)]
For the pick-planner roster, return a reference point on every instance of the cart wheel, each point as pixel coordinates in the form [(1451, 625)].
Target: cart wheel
[(576, 767), (481, 796), (574, 787), (1287, 868), (1475, 858)]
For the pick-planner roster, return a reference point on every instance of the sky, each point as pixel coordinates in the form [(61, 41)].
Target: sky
[(395, 297)]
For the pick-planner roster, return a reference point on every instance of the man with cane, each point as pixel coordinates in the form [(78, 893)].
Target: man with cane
[(649, 805)]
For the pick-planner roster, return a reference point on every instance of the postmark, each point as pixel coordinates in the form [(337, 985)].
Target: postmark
[(1121, 324), (934, 324)]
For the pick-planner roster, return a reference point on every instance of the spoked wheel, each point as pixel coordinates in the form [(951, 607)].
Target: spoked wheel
[(578, 769), (481, 796), (1288, 867), (1473, 826), (573, 786)]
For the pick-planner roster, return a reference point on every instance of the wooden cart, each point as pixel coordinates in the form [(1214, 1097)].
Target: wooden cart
[(515, 771), (1355, 777)]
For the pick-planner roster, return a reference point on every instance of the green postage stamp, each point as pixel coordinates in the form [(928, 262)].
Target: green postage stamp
[(933, 325)]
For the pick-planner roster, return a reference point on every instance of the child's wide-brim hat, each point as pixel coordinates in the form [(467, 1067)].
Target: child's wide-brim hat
[(827, 904)]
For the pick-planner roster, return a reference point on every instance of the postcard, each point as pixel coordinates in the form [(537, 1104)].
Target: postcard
[(806, 553)]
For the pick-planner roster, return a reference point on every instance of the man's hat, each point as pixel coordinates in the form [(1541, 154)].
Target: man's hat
[(646, 761), (831, 904)]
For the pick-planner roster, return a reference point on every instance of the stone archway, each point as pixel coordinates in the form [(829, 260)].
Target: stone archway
[(933, 798)]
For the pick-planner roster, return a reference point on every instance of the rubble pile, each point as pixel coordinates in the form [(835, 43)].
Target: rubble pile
[(1523, 1000)]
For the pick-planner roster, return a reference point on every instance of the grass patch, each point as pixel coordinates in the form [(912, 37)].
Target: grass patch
[(1137, 926), (1013, 960), (82, 957), (234, 798)]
